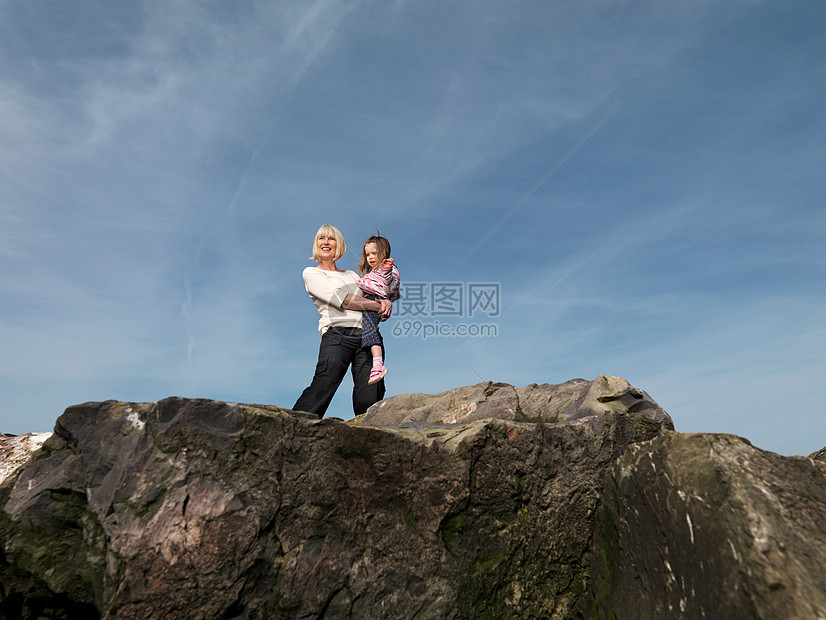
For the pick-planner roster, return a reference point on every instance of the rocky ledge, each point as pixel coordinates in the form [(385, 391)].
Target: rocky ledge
[(557, 501)]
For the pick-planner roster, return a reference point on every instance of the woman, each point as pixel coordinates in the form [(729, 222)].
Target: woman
[(340, 303)]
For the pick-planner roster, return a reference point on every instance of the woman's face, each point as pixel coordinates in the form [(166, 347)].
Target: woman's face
[(371, 253), (326, 246)]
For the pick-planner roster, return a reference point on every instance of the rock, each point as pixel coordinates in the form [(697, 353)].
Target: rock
[(549, 501), (710, 526), (199, 509), (572, 400), (16, 451), (820, 455)]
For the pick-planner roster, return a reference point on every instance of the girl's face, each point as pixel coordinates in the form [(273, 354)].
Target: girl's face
[(371, 253)]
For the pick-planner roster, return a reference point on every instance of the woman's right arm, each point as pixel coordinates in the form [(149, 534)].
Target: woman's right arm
[(319, 286), (384, 307)]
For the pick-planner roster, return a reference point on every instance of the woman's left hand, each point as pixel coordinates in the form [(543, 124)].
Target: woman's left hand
[(386, 309)]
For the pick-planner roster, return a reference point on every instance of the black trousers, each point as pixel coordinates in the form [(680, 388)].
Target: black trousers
[(341, 347)]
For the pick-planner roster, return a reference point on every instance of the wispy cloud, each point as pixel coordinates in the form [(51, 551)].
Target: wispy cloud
[(313, 32), (145, 251)]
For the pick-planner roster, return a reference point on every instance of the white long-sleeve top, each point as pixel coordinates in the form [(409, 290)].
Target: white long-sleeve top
[(328, 289)]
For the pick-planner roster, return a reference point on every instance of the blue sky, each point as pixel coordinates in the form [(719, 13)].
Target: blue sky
[(146, 251)]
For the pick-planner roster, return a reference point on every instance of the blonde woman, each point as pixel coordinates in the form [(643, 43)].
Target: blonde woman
[(340, 303)]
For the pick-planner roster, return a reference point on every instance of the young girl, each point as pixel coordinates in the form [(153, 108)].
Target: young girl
[(380, 282)]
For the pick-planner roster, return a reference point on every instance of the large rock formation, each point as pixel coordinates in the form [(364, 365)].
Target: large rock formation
[(566, 501), (708, 526), (569, 401)]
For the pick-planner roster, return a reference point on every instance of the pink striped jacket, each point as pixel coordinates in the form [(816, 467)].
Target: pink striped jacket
[(381, 282)]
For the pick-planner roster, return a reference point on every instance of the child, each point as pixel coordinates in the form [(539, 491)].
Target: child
[(380, 282)]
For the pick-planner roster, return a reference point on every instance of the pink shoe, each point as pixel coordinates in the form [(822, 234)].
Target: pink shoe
[(377, 374)]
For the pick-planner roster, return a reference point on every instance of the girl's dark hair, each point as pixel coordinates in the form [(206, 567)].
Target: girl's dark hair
[(383, 247)]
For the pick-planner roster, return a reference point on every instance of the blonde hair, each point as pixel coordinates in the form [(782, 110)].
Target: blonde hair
[(329, 231), (383, 252)]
